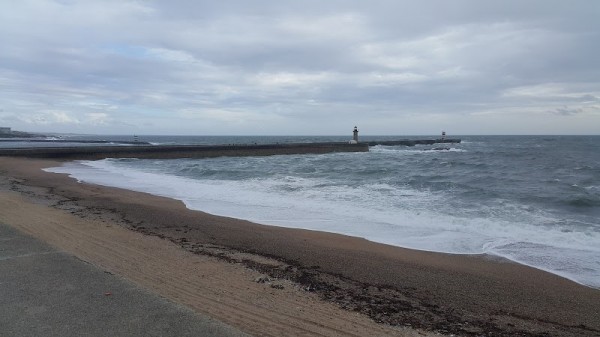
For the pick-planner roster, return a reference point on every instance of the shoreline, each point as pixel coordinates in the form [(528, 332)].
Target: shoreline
[(229, 214), (460, 294)]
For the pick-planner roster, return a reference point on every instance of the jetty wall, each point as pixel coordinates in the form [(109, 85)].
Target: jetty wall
[(203, 151), (180, 151), (413, 142)]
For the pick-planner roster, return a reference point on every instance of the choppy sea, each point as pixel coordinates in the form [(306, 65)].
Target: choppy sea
[(532, 199)]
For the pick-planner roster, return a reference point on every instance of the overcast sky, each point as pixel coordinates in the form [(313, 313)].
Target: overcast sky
[(300, 67)]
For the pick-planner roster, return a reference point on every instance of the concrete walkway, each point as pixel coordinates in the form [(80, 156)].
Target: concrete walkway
[(45, 292)]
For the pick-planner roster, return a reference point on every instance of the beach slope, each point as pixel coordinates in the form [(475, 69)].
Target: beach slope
[(265, 280)]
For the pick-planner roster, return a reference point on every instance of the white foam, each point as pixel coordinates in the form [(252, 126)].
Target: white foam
[(378, 212), (403, 150)]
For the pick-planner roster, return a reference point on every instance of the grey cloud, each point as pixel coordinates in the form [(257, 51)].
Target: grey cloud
[(139, 63), (589, 98), (566, 111)]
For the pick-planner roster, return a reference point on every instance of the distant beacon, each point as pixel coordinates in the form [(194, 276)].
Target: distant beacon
[(354, 136)]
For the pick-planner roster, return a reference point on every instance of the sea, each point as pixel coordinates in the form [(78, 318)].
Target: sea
[(534, 200)]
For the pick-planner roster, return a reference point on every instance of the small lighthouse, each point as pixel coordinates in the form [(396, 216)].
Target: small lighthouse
[(355, 135)]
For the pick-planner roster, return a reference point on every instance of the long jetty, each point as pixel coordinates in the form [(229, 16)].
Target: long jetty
[(57, 141), (90, 152), (413, 142)]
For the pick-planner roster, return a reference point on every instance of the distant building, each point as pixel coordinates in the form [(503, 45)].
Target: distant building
[(4, 130)]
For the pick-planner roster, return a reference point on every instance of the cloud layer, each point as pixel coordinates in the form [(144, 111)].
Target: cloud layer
[(301, 67)]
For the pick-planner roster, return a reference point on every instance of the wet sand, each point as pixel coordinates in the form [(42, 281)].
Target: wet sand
[(363, 287)]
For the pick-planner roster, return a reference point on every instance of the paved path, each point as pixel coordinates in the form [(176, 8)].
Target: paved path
[(45, 292)]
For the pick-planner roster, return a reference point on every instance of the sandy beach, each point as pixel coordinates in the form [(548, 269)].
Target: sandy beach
[(271, 281)]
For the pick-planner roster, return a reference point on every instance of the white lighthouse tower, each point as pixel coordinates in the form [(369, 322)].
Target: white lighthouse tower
[(354, 136)]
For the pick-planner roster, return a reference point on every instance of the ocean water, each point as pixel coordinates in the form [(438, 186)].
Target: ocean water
[(532, 199)]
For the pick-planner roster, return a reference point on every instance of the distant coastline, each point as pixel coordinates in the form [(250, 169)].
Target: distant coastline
[(19, 134)]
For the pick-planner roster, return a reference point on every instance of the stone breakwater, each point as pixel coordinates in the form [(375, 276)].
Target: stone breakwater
[(181, 151), (201, 151), (413, 142), (58, 141)]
